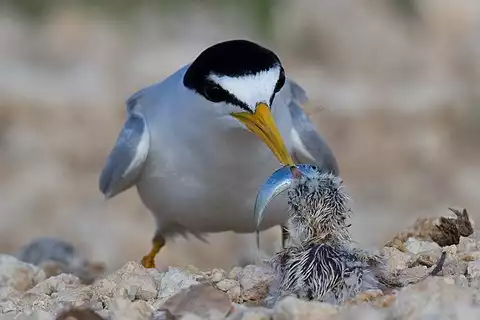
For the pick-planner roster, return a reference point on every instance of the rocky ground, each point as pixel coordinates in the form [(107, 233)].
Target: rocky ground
[(435, 264)]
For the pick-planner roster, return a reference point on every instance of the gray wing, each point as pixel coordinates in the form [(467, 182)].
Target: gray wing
[(126, 160), (308, 146)]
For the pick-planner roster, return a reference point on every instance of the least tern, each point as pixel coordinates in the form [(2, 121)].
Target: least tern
[(187, 143)]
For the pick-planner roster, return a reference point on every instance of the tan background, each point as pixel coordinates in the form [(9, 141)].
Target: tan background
[(394, 88)]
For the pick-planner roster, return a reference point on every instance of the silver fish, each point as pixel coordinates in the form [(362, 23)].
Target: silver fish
[(278, 182)]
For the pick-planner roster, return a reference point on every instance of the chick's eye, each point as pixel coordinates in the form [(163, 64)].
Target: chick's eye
[(213, 93)]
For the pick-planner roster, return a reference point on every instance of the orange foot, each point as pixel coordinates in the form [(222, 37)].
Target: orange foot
[(148, 261)]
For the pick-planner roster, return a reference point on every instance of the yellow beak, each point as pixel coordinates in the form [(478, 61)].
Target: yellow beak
[(262, 124)]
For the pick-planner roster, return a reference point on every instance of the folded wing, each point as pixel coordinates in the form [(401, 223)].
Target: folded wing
[(308, 146), (125, 162)]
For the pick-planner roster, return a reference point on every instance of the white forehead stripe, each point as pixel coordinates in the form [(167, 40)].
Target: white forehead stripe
[(252, 88)]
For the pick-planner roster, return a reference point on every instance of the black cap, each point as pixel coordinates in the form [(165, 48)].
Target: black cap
[(234, 58)]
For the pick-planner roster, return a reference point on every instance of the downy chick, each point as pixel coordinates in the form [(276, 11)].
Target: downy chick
[(319, 262)]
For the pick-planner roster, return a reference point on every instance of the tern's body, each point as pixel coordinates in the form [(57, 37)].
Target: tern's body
[(198, 144), (187, 189)]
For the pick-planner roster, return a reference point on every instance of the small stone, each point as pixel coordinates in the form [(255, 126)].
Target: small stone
[(450, 250), (291, 308), (217, 275), (255, 316), (467, 257), (254, 281), (367, 295), (433, 298), (52, 268), (474, 283), (362, 312), (190, 316), (427, 259), (416, 246), (19, 275), (467, 245), (8, 294), (461, 280), (155, 275), (197, 274), (202, 300), (227, 284), (57, 283), (35, 315), (252, 314), (78, 314), (74, 297), (385, 301), (473, 269), (125, 309), (132, 280), (235, 273), (102, 313), (449, 280), (173, 281), (453, 266), (396, 260), (192, 269), (397, 243), (475, 235), (235, 294), (411, 275)]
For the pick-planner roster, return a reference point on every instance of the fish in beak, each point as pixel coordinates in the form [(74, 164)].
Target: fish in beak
[(277, 183)]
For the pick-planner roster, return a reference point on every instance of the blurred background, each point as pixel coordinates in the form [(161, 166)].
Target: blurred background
[(393, 87)]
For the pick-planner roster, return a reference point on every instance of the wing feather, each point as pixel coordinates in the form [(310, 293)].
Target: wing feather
[(308, 145), (127, 158)]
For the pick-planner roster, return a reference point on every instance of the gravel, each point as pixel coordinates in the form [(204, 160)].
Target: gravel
[(427, 290)]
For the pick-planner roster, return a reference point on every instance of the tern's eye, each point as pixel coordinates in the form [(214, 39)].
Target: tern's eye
[(214, 93)]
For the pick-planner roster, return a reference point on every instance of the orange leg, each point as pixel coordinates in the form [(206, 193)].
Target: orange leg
[(148, 261)]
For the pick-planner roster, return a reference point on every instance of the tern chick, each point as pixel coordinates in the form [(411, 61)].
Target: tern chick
[(320, 261)]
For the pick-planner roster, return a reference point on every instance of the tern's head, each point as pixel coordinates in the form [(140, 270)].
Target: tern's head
[(242, 78)]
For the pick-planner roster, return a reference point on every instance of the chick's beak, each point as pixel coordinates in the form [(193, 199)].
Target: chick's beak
[(262, 124)]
